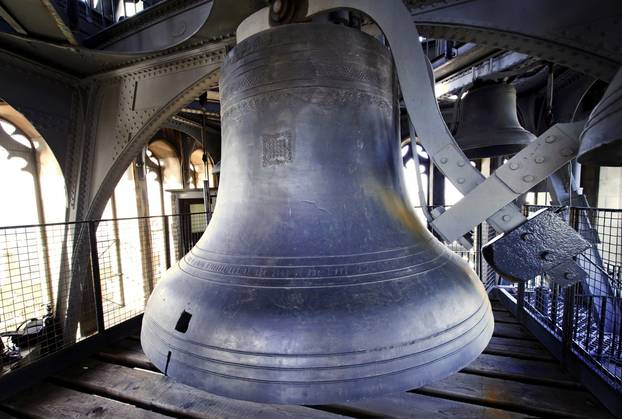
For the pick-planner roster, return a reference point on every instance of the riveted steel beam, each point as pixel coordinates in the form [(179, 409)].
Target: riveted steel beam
[(124, 109), (484, 69), (128, 106), (581, 35), (154, 34), (11, 21), (51, 101), (192, 129)]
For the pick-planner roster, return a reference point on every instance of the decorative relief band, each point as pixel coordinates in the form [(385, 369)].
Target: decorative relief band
[(389, 269), (358, 74), (327, 98)]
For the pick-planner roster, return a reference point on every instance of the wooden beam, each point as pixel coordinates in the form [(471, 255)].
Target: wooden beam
[(51, 401), (159, 393), (411, 405), (523, 370), (519, 397)]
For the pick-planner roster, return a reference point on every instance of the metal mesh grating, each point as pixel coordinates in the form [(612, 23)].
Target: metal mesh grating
[(61, 283)]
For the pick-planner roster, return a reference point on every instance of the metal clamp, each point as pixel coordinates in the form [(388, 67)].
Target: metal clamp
[(543, 244), (526, 169)]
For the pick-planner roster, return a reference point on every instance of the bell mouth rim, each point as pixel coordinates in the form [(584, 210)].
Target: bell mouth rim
[(411, 377), (447, 330), (603, 154)]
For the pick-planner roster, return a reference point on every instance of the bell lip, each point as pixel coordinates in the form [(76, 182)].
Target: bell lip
[(473, 149), (466, 348), (609, 154)]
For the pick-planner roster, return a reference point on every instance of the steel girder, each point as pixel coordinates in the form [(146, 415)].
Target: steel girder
[(585, 36), (155, 34), (124, 109), (127, 107), (36, 18), (192, 129), (52, 101), (96, 127), (574, 33)]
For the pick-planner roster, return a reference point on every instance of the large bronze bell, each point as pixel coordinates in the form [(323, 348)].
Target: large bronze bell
[(601, 140), (314, 282), (489, 125)]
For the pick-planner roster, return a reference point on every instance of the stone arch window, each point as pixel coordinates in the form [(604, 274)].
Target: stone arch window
[(164, 173), (33, 185), (198, 170)]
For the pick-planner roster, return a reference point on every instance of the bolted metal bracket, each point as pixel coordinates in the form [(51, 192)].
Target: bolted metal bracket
[(544, 244)]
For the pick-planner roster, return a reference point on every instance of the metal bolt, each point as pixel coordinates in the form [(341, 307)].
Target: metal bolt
[(277, 6), (546, 255), (550, 139), (514, 166), (528, 178), (539, 159), (460, 163), (569, 275), (566, 152), (506, 218), (527, 236), (444, 160), (461, 180)]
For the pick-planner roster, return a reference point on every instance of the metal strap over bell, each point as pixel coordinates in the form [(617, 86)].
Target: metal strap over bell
[(314, 282), (601, 140), (489, 125)]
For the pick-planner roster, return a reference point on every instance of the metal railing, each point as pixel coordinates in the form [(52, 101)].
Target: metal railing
[(586, 317), (63, 283), (479, 236)]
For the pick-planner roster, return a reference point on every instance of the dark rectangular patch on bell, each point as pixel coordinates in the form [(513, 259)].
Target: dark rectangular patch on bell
[(277, 148), (183, 322)]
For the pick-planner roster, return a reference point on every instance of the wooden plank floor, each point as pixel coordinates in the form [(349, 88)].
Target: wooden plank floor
[(514, 377)]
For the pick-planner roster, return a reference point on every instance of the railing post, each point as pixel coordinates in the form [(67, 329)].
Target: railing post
[(554, 303), (167, 243), (590, 307), (567, 322), (478, 238), (601, 324), (520, 301), (95, 276)]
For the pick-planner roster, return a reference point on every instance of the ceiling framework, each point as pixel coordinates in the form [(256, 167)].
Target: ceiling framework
[(110, 83), (576, 34)]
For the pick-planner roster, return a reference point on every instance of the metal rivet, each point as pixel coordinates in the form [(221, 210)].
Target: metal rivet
[(569, 275), (528, 178), (277, 6), (539, 159), (460, 163), (514, 166), (526, 236), (461, 180), (506, 218), (444, 160), (566, 152), (550, 139), (546, 255)]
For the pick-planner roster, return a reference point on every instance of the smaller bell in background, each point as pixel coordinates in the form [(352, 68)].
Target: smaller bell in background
[(489, 125), (601, 140)]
